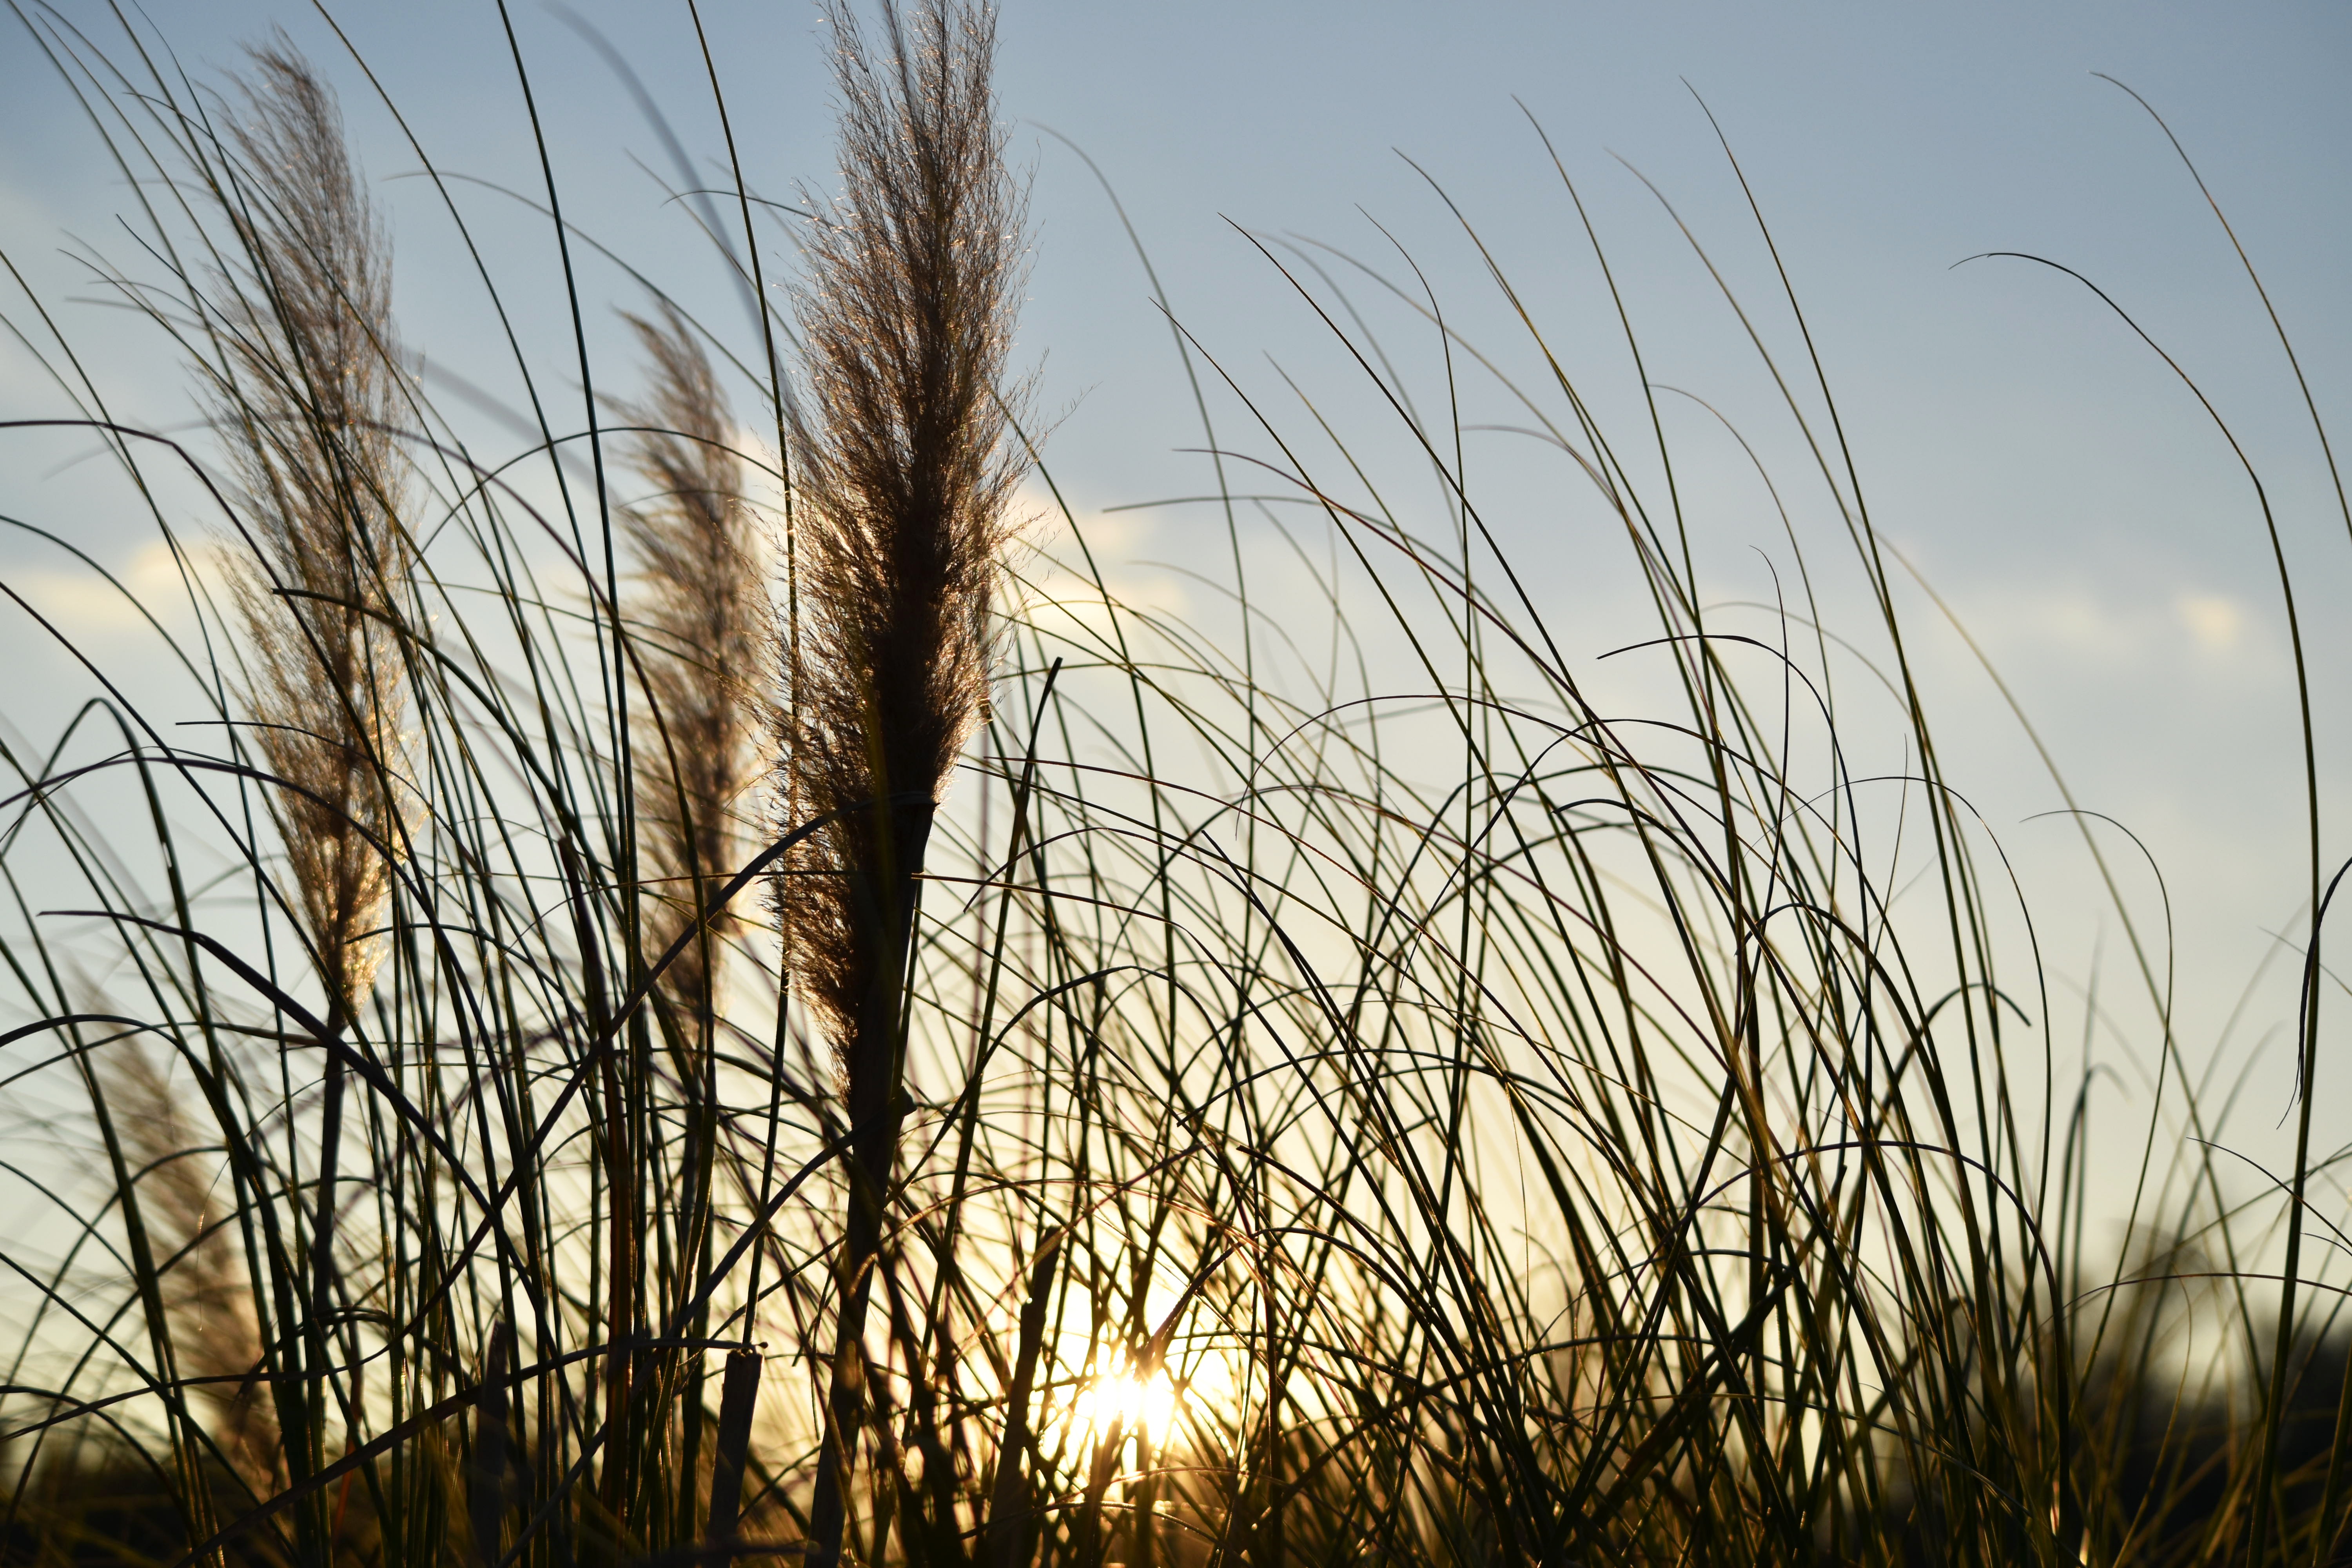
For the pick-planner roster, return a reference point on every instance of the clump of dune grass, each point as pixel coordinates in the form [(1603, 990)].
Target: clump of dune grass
[(304, 389), (295, 362), (1264, 1113), (902, 474)]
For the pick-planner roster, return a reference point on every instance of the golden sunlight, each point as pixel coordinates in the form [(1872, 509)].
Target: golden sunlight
[(1123, 1400)]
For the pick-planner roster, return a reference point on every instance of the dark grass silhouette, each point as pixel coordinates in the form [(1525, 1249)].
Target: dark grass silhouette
[(1261, 1113), (902, 472)]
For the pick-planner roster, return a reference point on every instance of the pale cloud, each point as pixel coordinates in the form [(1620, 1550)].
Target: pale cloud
[(1051, 569), (80, 603), (2087, 625), (2215, 620), (2115, 630)]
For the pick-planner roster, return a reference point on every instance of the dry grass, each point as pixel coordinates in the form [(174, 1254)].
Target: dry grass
[(1260, 1116), (902, 473), (304, 389), (706, 631)]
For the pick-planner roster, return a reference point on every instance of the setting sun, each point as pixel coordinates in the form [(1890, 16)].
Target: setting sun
[(1126, 1401)]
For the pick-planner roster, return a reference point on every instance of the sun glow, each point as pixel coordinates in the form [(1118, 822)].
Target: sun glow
[(1127, 1400)]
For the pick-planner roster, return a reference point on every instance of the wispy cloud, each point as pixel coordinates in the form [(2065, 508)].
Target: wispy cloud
[(81, 603), (2215, 620)]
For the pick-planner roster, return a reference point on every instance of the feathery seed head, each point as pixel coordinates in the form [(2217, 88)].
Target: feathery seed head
[(700, 611), (902, 472), (305, 394)]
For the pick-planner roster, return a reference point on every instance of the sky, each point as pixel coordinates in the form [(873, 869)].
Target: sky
[(2058, 486)]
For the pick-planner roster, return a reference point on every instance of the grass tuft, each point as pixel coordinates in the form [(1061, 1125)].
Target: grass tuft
[(1349, 1075)]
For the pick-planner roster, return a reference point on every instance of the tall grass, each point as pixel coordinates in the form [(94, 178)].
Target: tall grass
[(902, 472), (1180, 1098)]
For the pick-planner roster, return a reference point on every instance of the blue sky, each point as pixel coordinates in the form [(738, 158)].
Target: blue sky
[(2059, 488)]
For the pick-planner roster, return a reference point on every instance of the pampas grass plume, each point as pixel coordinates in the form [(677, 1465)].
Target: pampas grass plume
[(902, 476)]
